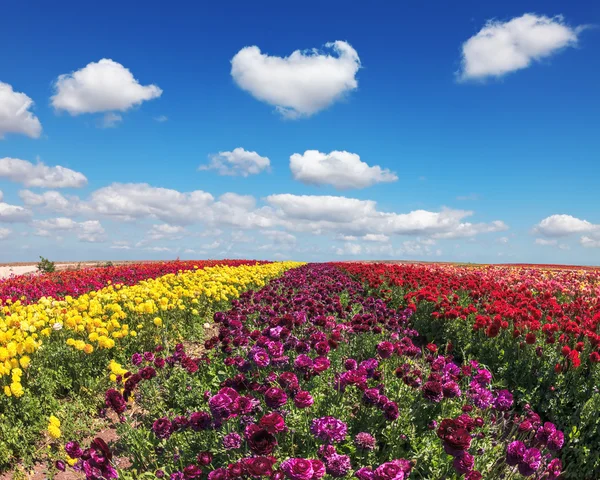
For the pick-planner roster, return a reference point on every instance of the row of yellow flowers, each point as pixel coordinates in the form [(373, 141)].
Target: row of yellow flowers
[(107, 318)]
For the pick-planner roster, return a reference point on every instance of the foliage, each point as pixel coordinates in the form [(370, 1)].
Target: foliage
[(45, 266)]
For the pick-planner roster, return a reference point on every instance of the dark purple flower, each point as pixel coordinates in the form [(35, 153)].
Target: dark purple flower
[(303, 399), (515, 452), (464, 463), (432, 390), (259, 440), (162, 428), (531, 462), (73, 449), (272, 423), (199, 421), (451, 389), (137, 359), (385, 349), (275, 397), (113, 399)]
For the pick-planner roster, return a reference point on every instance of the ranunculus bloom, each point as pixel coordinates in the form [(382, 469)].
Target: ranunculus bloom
[(329, 429), (298, 469), (259, 440), (515, 452), (303, 399), (531, 462), (272, 423), (463, 463), (275, 397), (162, 428), (258, 466)]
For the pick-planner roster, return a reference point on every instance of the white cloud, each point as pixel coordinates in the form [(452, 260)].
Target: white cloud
[(120, 245), (238, 162), (503, 240), (470, 229), (102, 86), (13, 213), (161, 118), (349, 249), (279, 237), (589, 242), (376, 237), (4, 233), (349, 216), (51, 201), (158, 232), (15, 114), (111, 120), (89, 231), (40, 175), (503, 47), (343, 170), (301, 84), (544, 242), (563, 225)]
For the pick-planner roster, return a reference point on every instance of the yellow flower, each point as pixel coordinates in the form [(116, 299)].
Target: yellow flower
[(54, 421), (54, 431), (17, 389), (7, 391), (158, 322)]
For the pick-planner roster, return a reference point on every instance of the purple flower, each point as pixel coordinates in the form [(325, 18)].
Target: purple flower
[(113, 399), (162, 428), (329, 429), (303, 399), (73, 449), (515, 452), (298, 469), (544, 432), (137, 359), (218, 474), (395, 470), (451, 389), (350, 364), (390, 411), (433, 391), (464, 463), (338, 465), (275, 397), (365, 473), (220, 406), (364, 441), (531, 462), (556, 440), (232, 441), (303, 363), (554, 469), (504, 400), (483, 377), (260, 357), (199, 421), (385, 349)]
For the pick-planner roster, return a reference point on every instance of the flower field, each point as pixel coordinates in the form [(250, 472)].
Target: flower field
[(302, 372), (311, 377), (58, 348), (536, 328)]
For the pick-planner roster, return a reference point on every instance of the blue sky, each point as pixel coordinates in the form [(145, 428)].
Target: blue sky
[(506, 129)]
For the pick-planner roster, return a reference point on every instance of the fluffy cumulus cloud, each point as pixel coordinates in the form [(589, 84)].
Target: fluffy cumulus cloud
[(90, 231), (40, 175), (278, 219), (303, 83), (319, 214), (102, 86), (590, 242), (503, 47), (342, 170), (563, 225), (13, 213), (237, 162), (4, 233), (16, 115)]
